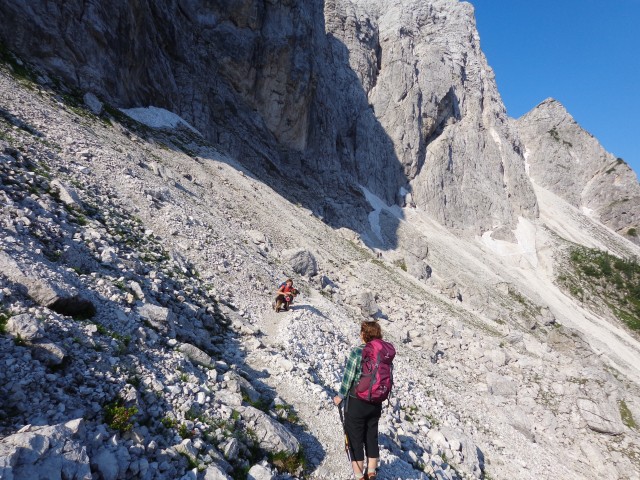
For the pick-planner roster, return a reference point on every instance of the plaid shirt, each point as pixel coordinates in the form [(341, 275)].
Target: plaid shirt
[(352, 370)]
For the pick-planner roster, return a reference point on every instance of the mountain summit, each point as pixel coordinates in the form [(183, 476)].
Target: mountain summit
[(566, 159)]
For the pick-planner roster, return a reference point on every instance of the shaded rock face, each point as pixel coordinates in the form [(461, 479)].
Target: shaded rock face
[(570, 162), (341, 93)]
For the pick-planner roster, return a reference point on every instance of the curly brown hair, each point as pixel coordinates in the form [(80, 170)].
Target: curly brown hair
[(370, 331)]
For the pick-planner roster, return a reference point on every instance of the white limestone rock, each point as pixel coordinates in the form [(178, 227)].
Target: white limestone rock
[(602, 417), (160, 318), (67, 194), (25, 326), (260, 472), (272, 436), (196, 355), (45, 452), (48, 353), (93, 103), (501, 385), (213, 472)]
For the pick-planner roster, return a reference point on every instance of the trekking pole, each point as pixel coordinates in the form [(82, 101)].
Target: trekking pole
[(347, 447)]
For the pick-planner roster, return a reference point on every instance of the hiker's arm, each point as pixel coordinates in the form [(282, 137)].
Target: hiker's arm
[(350, 371)]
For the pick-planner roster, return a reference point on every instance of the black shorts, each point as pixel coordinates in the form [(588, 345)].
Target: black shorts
[(361, 423)]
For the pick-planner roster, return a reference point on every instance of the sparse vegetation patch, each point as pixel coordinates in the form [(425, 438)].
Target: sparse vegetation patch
[(609, 280)]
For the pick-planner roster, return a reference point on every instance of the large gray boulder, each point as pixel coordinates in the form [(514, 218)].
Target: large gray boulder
[(48, 353), (160, 318), (25, 326), (601, 416), (301, 261), (272, 436), (57, 296), (45, 452), (196, 355)]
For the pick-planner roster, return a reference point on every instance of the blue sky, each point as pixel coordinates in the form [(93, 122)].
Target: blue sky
[(583, 53)]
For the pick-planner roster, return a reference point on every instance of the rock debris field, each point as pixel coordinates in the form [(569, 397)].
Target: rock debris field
[(137, 270)]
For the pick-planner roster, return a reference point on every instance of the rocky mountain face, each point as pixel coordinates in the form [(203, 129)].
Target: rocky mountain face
[(570, 162), (340, 95), (140, 251)]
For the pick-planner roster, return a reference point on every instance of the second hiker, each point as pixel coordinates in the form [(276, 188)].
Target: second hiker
[(286, 294)]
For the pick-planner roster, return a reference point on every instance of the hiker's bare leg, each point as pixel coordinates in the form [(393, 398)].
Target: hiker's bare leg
[(372, 464), (357, 468)]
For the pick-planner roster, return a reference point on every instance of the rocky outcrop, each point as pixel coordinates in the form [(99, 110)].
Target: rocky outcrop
[(55, 451), (271, 435), (398, 99), (569, 161), (301, 261)]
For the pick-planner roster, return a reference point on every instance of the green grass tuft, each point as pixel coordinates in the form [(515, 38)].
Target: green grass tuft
[(626, 415), (119, 417)]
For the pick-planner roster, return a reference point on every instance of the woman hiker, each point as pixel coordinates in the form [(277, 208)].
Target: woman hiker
[(361, 418), (284, 297)]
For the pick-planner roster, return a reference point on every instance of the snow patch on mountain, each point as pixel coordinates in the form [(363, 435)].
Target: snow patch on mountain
[(159, 118)]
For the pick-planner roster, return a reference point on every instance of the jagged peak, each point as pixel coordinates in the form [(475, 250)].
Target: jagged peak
[(549, 107)]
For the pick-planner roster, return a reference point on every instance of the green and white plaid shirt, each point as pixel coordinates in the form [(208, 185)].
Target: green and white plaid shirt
[(352, 370)]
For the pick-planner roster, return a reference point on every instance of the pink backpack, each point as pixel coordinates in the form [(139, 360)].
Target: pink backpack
[(376, 380)]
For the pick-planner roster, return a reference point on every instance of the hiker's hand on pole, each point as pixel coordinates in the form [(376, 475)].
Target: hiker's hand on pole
[(337, 400)]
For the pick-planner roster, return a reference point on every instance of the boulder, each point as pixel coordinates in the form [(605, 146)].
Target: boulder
[(45, 452), (92, 103), (214, 472), (260, 472), (108, 256), (418, 268), (105, 463), (42, 292), (25, 326), (301, 262), (501, 385), (160, 318), (48, 353), (367, 303), (57, 297), (196, 355), (602, 417), (67, 195), (231, 448), (272, 436), (187, 448)]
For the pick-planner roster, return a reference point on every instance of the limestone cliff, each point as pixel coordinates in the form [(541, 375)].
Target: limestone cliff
[(570, 162), (397, 98)]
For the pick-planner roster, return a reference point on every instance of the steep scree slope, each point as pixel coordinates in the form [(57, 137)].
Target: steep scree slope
[(184, 370)]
